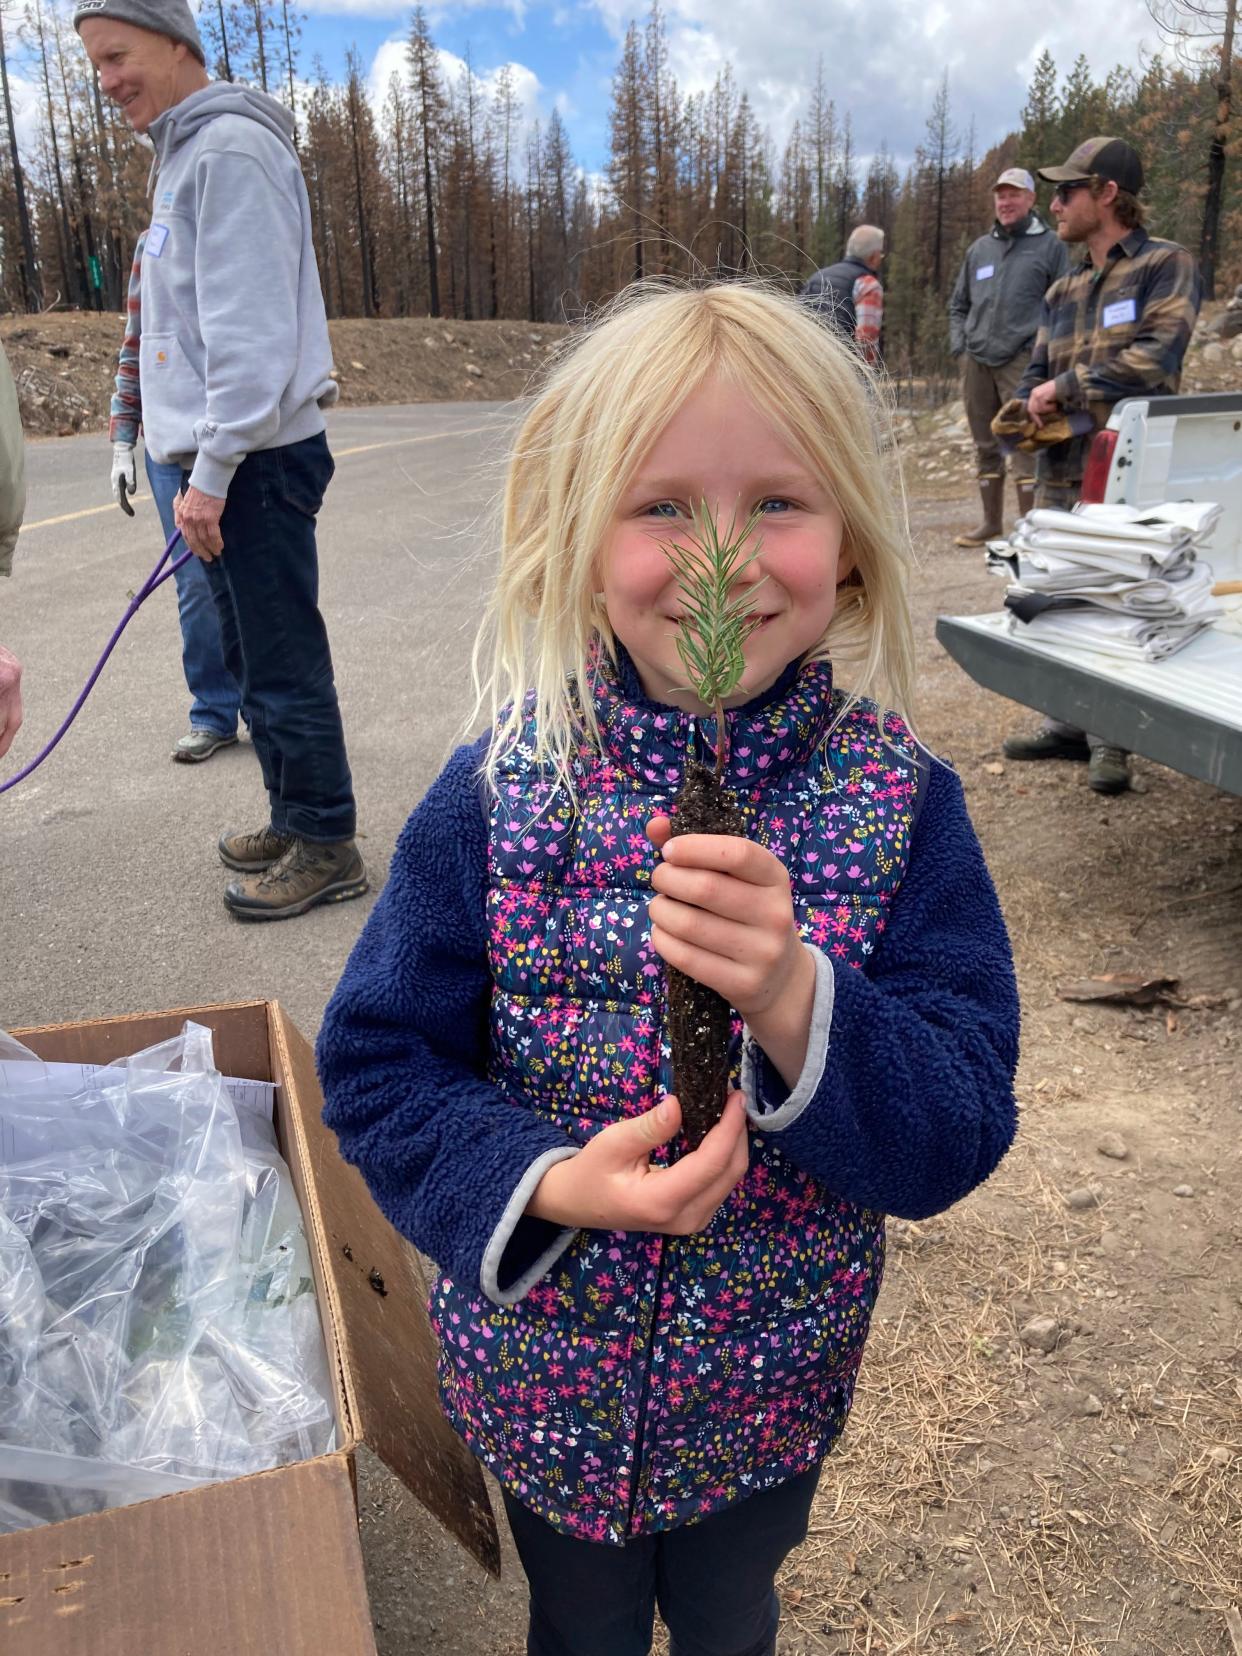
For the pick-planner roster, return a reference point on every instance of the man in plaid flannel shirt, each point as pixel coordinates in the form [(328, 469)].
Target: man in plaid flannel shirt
[(1116, 326)]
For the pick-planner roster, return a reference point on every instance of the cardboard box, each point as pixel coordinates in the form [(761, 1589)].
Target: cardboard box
[(268, 1565)]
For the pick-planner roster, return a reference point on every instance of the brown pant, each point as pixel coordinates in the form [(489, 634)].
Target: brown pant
[(984, 390)]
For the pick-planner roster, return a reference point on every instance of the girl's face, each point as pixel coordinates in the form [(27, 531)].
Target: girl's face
[(721, 449)]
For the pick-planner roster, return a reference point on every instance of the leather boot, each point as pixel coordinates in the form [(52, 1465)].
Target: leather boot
[(992, 493), (1026, 495)]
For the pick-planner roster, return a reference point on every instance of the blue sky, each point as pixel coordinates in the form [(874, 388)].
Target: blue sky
[(883, 60)]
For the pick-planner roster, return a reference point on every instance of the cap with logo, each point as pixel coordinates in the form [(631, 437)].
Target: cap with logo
[(1018, 177), (167, 17), (1106, 158)]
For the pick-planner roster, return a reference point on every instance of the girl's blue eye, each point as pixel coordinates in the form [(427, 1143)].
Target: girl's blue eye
[(779, 504), (664, 508)]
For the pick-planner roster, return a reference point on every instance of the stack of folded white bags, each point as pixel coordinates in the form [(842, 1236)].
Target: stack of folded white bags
[(1123, 580)]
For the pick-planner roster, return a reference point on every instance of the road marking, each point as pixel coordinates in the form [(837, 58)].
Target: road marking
[(397, 442), (337, 454), (68, 517)]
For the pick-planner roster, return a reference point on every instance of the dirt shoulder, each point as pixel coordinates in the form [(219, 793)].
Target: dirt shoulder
[(64, 363), (992, 1495)]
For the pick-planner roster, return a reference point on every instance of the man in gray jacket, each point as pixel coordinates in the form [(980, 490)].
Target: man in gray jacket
[(235, 372), (994, 313)]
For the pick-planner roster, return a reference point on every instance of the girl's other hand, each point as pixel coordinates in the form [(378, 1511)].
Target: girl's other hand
[(611, 1183), (723, 915)]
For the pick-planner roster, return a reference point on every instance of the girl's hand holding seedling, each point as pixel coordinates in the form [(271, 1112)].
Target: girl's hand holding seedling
[(612, 1184), (724, 916)]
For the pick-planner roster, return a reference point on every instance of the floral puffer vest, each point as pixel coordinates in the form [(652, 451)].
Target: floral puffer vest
[(648, 1381)]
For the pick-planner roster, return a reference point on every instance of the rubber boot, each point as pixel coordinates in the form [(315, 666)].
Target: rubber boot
[(992, 493), (1026, 495)]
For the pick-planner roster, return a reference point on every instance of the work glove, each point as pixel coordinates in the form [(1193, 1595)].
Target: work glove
[(1015, 428), (124, 478)]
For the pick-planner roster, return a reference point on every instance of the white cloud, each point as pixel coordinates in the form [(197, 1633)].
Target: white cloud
[(884, 61), (27, 96), (527, 91)]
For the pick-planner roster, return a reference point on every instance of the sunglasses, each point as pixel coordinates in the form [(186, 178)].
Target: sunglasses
[(1064, 191)]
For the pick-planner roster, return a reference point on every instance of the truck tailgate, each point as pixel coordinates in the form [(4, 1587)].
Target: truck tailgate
[(1185, 712)]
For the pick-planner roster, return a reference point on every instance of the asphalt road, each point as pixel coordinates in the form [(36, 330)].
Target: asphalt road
[(110, 886)]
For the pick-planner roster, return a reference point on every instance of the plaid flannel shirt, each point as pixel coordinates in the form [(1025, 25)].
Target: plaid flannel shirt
[(125, 411), (1120, 331), (868, 318)]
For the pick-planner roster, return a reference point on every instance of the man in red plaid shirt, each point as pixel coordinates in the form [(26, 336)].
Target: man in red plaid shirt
[(848, 295)]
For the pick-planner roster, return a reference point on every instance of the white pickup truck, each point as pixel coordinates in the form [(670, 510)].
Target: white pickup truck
[(1186, 711)]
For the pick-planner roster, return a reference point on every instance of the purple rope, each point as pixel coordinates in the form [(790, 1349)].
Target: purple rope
[(153, 580)]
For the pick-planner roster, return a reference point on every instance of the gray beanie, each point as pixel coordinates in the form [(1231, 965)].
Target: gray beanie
[(167, 17)]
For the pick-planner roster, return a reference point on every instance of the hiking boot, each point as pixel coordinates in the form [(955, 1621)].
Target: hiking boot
[(992, 493), (307, 874), (1046, 744), (252, 853), (200, 745), (1108, 770)]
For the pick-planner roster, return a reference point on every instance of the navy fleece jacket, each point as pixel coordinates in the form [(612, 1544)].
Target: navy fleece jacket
[(913, 1108)]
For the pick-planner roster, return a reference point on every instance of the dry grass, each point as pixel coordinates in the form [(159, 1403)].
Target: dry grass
[(962, 1512)]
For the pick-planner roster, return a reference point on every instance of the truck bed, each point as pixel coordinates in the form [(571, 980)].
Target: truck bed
[(1185, 712)]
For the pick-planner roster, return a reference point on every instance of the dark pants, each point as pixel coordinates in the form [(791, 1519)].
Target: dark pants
[(1060, 494), (266, 588), (713, 1581)]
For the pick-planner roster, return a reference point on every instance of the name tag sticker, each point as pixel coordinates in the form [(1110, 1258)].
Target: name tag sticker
[(1122, 310), (157, 235), (983, 272)]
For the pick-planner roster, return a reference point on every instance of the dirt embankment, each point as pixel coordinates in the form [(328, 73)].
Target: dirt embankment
[(64, 363)]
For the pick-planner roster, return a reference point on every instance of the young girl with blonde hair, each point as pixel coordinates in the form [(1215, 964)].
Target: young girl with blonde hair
[(653, 1347)]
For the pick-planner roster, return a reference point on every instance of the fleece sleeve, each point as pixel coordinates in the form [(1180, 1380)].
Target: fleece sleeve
[(247, 258), (450, 1160), (914, 1105)]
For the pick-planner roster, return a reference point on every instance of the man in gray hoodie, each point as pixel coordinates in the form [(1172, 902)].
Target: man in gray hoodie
[(235, 372), (994, 313)]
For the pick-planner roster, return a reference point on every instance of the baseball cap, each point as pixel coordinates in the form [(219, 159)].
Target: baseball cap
[(1018, 177), (1106, 158)]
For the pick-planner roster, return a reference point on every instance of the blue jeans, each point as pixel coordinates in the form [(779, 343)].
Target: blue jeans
[(266, 587), (714, 1581), (215, 697)]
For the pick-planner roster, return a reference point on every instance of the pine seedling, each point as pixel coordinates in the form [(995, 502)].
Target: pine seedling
[(714, 627), (716, 621)]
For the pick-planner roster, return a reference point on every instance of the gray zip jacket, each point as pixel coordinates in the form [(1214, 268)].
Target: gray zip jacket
[(998, 297), (235, 353)]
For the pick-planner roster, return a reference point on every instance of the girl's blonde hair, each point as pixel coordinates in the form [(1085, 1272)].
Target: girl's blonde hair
[(601, 408)]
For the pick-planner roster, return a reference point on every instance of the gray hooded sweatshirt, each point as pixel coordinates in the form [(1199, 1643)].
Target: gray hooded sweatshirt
[(235, 353)]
